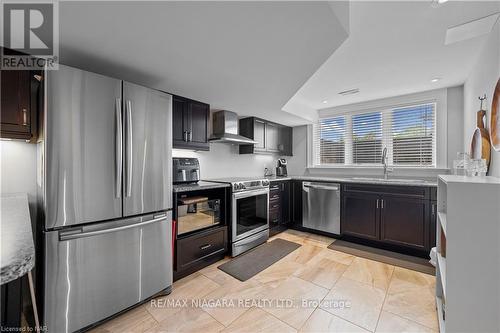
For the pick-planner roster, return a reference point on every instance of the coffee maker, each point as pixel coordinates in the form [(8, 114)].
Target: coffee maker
[(281, 168)]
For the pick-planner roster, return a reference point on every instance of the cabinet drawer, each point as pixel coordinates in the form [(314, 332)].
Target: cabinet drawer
[(275, 186), (419, 192), (199, 246), (274, 216), (274, 195), (275, 204)]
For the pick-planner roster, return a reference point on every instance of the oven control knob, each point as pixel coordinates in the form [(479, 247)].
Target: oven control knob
[(239, 186), (265, 183)]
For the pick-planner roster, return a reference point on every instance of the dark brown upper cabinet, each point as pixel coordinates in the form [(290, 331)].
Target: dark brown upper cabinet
[(18, 117), (190, 124), (271, 137)]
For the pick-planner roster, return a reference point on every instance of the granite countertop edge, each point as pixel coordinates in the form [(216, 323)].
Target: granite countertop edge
[(201, 185), (367, 181), (18, 251)]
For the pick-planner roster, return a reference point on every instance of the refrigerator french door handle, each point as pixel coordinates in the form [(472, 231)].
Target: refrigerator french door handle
[(119, 147), (64, 236), (129, 148)]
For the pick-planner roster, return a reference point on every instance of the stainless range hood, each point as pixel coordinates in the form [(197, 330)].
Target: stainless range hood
[(225, 129)]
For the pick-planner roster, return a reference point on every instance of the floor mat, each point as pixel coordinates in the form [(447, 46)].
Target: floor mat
[(251, 263)]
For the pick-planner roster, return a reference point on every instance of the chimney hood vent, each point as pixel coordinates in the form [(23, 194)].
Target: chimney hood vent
[(226, 129)]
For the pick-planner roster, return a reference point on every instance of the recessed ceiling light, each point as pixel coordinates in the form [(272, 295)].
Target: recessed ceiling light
[(436, 79), (349, 92), (324, 102), (437, 3)]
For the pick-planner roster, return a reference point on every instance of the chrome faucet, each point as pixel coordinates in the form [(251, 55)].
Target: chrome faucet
[(384, 162)]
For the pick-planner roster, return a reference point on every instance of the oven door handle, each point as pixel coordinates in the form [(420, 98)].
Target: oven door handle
[(246, 194)]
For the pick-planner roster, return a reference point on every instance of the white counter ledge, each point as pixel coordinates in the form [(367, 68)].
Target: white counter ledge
[(17, 255)]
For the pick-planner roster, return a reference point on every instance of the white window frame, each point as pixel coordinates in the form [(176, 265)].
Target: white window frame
[(438, 97)]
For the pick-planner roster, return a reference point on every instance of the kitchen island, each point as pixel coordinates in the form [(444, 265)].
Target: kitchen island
[(17, 257)]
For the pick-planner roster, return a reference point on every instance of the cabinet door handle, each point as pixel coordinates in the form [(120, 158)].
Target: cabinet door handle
[(190, 136), (377, 203), (433, 207), (382, 203), (25, 117), (206, 246), (185, 136)]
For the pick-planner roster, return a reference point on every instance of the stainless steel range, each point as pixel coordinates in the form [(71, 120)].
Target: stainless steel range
[(249, 213)]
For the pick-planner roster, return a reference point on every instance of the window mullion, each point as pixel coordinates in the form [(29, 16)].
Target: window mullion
[(348, 140)]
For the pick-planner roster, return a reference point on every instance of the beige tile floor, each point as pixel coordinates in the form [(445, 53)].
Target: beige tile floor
[(313, 289)]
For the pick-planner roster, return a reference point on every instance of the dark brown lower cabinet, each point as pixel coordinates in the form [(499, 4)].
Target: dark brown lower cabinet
[(200, 249), (433, 221), (404, 222), (296, 202), (279, 206), (361, 215), (398, 218)]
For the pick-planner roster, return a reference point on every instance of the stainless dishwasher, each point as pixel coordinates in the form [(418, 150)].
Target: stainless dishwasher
[(321, 206)]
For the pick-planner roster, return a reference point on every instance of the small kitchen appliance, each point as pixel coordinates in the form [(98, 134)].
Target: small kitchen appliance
[(185, 170), (281, 168)]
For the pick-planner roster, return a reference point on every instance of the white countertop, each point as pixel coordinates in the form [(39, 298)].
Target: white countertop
[(18, 251)]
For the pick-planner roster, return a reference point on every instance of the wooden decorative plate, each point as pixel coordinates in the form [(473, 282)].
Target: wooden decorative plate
[(495, 118), (480, 146)]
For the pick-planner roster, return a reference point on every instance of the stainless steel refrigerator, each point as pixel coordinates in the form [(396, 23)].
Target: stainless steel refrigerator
[(105, 176)]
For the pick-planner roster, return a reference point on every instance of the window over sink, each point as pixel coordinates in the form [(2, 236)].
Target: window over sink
[(358, 138)]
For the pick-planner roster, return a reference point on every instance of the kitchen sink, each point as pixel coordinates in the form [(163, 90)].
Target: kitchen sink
[(390, 180)]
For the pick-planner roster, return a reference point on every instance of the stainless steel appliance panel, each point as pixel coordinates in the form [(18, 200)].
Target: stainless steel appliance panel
[(82, 155), (147, 177), (250, 213), (95, 271), (156, 257), (250, 242), (321, 206)]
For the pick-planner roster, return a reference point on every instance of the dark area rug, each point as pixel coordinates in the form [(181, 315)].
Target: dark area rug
[(251, 263), (392, 258)]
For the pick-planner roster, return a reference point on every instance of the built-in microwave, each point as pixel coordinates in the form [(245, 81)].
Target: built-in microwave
[(196, 213)]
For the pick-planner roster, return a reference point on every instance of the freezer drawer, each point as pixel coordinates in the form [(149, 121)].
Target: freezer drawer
[(321, 206), (95, 271)]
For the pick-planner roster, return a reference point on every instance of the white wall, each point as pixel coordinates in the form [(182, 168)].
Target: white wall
[(18, 170), (298, 162), (450, 137), (455, 123), (223, 160), (482, 80)]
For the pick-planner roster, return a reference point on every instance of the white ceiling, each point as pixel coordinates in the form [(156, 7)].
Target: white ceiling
[(396, 48), (247, 57)]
